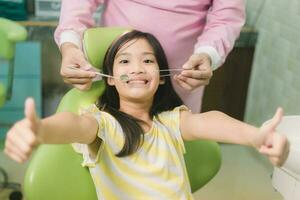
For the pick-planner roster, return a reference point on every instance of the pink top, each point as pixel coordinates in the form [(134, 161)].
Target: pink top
[(182, 26)]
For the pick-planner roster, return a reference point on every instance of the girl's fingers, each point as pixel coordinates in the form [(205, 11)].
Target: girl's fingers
[(20, 146), (276, 118), (30, 112), (13, 156), (14, 152), (268, 130), (31, 121), (275, 161), (20, 139), (279, 150), (268, 151), (25, 140), (271, 154)]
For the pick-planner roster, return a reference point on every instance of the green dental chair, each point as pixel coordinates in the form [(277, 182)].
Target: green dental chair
[(55, 171), (10, 34)]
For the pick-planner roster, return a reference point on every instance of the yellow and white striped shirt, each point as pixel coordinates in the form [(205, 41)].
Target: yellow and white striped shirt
[(156, 171)]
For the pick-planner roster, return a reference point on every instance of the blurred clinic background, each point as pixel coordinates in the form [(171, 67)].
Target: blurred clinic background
[(260, 74)]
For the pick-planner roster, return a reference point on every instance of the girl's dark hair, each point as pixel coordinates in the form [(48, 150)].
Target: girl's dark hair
[(165, 97)]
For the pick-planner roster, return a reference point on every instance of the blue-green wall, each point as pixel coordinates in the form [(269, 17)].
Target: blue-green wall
[(275, 78)]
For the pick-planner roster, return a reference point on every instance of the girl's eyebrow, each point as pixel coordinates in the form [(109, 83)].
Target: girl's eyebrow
[(122, 54), (146, 53), (128, 54)]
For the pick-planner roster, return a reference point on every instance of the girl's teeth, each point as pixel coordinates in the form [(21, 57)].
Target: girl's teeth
[(138, 81)]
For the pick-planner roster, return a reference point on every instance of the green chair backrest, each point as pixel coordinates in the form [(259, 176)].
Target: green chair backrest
[(55, 171)]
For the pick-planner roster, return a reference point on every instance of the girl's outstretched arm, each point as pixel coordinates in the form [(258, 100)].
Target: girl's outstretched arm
[(60, 128), (220, 127)]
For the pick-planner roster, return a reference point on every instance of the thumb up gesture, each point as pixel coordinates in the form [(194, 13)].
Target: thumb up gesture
[(270, 143), (22, 138)]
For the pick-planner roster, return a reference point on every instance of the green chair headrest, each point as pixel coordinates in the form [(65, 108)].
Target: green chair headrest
[(105, 36)]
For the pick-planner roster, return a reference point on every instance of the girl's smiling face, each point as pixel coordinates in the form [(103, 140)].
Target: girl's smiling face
[(136, 59)]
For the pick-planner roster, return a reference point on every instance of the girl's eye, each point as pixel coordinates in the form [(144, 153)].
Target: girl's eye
[(148, 61), (124, 61)]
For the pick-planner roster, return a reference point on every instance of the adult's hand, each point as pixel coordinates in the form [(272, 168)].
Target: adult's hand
[(197, 72), (72, 56)]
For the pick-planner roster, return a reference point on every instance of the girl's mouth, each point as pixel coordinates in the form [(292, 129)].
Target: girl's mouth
[(137, 81)]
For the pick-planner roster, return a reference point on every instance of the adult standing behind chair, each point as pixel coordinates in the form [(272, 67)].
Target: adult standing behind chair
[(195, 35)]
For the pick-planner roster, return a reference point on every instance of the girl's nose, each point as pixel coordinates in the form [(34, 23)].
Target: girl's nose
[(137, 69)]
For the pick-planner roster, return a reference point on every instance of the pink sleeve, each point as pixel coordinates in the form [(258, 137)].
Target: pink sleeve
[(76, 15), (224, 23)]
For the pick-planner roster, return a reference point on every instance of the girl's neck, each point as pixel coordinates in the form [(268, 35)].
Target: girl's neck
[(139, 110)]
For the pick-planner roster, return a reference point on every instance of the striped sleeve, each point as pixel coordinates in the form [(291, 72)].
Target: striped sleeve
[(171, 119), (176, 118), (91, 155)]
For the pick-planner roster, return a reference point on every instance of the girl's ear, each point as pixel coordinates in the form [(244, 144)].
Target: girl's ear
[(162, 81), (110, 81)]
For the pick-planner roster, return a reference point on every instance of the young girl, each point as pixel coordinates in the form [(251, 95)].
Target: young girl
[(132, 138)]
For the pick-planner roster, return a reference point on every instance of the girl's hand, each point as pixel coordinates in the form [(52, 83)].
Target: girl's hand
[(22, 138), (272, 144), (197, 72)]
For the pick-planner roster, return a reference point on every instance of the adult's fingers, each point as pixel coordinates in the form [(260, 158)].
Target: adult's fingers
[(182, 84), (197, 74), (68, 73), (85, 65), (194, 61), (78, 80), (194, 83)]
